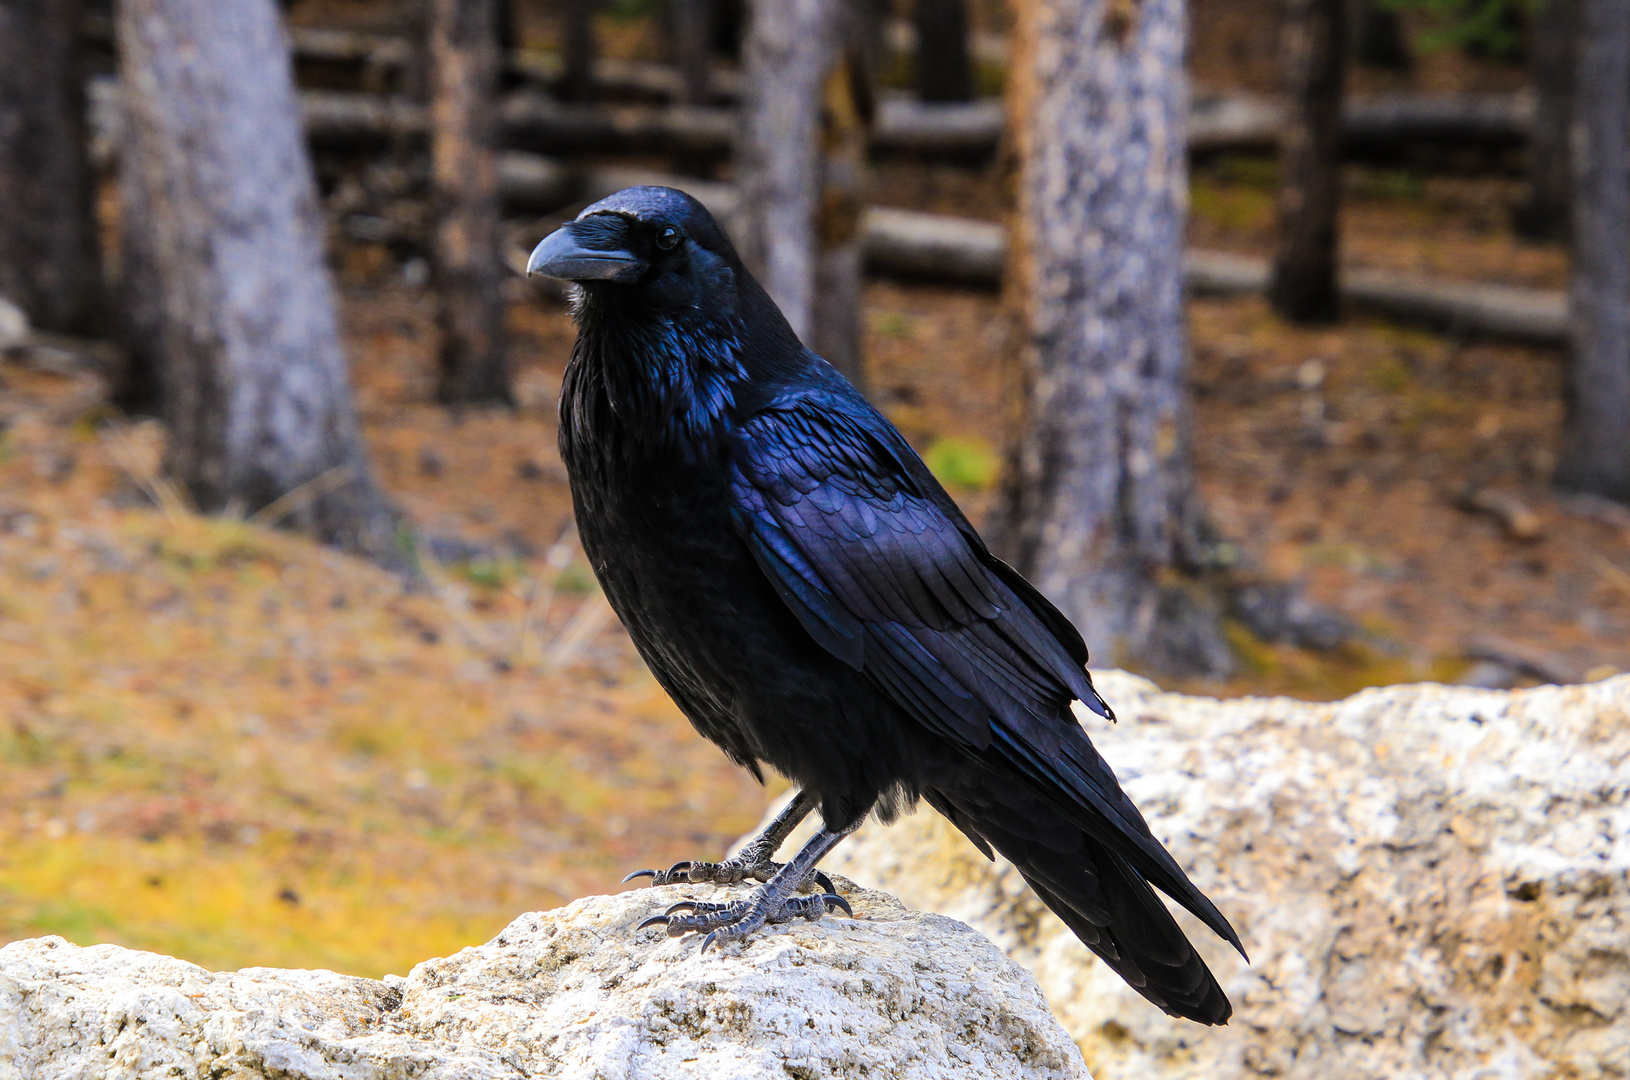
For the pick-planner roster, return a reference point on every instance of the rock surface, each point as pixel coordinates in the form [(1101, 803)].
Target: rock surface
[(1431, 881), (567, 993)]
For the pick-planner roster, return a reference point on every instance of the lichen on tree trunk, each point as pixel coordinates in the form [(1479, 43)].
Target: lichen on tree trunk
[(1099, 507), (463, 59), (257, 395), (50, 265)]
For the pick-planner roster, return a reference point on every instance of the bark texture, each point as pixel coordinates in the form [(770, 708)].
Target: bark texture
[(1313, 44), (792, 46), (464, 66), (1098, 505), (944, 70), (50, 265), (1596, 457), (257, 395), (1550, 168)]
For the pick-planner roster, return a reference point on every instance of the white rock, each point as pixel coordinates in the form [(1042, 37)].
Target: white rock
[(571, 993), (1431, 881)]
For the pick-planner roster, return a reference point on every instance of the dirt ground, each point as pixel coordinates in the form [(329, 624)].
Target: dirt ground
[(220, 741)]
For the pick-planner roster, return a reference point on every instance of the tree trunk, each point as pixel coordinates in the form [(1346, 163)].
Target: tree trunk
[(691, 27), (465, 270), (1596, 457), (1303, 288), (578, 84), (258, 400), (791, 47), (836, 331), (138, 383), (1098, 504), (50, 264), (729, 28), (1380, 33), (1550, 170), (943, 69)]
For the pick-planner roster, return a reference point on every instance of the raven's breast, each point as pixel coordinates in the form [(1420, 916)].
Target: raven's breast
[(660, 538)]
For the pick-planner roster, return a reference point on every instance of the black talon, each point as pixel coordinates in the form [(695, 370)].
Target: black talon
[(834, 901), (686, 905), (639, 873), (655, 920), (823, 881), (708, 941)]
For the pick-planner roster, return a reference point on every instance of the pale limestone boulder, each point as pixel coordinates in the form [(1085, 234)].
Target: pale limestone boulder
[(572, 993), (1431, 881)]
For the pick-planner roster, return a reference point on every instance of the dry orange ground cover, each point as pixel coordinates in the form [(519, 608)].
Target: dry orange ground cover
[(227, 743), (223, 742)]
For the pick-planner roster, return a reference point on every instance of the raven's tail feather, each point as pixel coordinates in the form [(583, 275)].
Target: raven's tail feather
[(1103, 900)]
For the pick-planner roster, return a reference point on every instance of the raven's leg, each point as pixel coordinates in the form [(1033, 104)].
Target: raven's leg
[(772, 902), (752, 861)]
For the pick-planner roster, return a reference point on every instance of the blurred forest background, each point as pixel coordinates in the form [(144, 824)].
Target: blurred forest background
[(1286, 343)]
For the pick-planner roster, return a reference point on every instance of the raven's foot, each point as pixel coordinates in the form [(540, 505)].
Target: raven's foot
[(772, 902), (732, 871), (753, 861), (733, 921)]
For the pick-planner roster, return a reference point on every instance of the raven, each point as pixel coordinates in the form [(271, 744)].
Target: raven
[(814, 601)]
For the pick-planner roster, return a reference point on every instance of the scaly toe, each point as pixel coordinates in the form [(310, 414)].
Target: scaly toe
[(735, 931)]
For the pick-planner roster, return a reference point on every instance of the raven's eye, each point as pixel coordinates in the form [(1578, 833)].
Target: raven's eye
[(668, 238)]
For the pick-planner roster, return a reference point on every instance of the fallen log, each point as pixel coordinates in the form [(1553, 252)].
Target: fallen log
[(534, 183), (335, 117), (634, 78), (1247, 122), (349, 47), (902, 125), (1462, 119), (1475, 309), (1536, 316), (908, 243), (905, 125), (531, 119), (1236, 122)]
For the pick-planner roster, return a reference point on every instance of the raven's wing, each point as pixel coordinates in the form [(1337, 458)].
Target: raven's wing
[(885, 574)]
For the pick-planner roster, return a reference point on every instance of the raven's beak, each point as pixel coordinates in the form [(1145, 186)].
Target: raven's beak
[(560, 255)]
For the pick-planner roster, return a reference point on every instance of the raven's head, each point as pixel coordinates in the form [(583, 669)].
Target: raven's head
[(649, 248), (662, 307)]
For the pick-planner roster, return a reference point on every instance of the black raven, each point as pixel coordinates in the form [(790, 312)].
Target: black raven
[(814, 601)]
